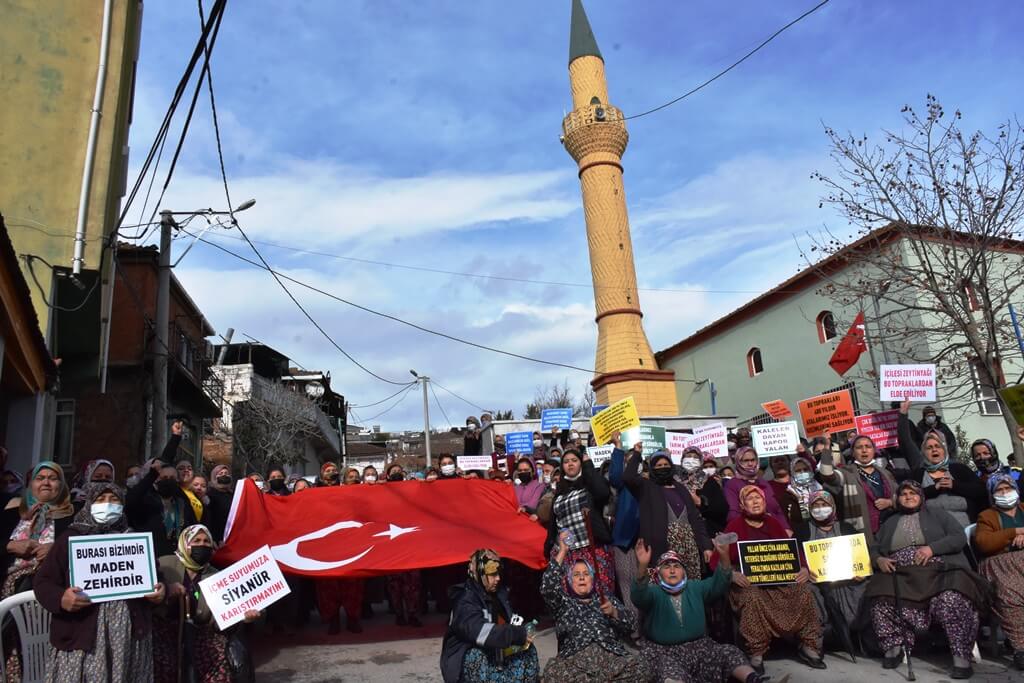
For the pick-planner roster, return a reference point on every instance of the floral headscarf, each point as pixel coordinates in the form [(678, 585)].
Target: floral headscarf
[(746, 492), (826, 497), (483, 562), (40, 513), (744, 472), (567, 583), (84, 522), (184, 552)]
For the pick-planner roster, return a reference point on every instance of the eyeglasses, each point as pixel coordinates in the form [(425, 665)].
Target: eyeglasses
[(580, 575)]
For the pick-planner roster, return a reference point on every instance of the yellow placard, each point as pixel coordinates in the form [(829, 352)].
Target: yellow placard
[(838, 559), (618, 417), (1014, 397)]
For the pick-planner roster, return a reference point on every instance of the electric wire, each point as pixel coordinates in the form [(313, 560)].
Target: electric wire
[(377, 403), (392, 407), (467, 402), (438, 402)]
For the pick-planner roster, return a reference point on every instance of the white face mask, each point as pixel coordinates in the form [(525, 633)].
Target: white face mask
[(821, 513), (865, 465), (1006, 500), (537, 443), (547, 478), (370, 478), (575, 436), (448, 469), (691, 464), (931, 419), (803, 478), (710, 471), (106, 513)]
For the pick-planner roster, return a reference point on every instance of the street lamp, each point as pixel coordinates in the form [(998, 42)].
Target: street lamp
[(426, 412)]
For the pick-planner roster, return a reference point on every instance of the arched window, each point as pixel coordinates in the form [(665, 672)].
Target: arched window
[(754, 365), (826, 327)]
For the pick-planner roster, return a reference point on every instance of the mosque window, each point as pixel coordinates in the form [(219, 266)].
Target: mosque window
[(826, 327), (754, 365)]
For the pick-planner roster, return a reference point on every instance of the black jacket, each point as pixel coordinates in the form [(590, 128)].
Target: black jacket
[(713, 506), (600, 493), (473, 623), (145, 508), (215, 513)]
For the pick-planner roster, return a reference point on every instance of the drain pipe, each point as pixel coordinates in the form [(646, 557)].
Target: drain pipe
[(90, 149)]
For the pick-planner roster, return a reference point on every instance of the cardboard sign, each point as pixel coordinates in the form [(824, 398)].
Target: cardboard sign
[(777, 409), (467, 463), (713, 439), (253, 583), (777, 438), (881, 427), (902, 382), (837, 559), (596, 408), (555, 417), (599, 454), (112, 566), (677, 442), (652, 437), (519, 442), (827, 414), (1014, 399), (770, 563), (617, 417)]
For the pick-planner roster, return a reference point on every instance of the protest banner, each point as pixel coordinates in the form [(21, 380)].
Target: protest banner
[(676, 442), (902, 382), (776, 438), (881, 427), (712, 439), (777, 409), (827, 414), (555, 417), (652, 437), (769, 563), (597, 408), (467, 463), (837, 559), (618, 417), (253, 583), (1014, 398), (112, 566), (519, 442), (599, 454)]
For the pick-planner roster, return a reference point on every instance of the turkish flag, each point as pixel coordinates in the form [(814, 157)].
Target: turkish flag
[(372, 529), (849, 350)]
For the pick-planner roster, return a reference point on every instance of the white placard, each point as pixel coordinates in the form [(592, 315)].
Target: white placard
[(474, 462), (776, 438), (112, 566), (902, 382), (599, 454), (677, 443), (253, 583), (712, 439)]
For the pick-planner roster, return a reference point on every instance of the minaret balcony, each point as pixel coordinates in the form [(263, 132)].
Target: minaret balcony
[(595, 128)]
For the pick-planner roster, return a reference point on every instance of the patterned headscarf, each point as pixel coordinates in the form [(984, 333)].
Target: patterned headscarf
[(994, 481), (84, 522), (483, 562), (184, 552), (695, 480), (746, 492), (996, 464), (568, 580), (743, 472), (667, 556), (59, 508), (909, 484), (826, 497), (941, 438)]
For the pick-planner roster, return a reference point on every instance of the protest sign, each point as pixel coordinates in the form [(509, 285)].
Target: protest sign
[(776, 438), (881, 427), (676, 442), (652, 437), (555, 417), (1014, 398), (777, 409), (112, 566), (712, 439), (519, 442), (837, 559), (253, 583), (902, 382), (467, 463), (827, 414), (596, 408), (618, 417), (599, 454), (769, 563)]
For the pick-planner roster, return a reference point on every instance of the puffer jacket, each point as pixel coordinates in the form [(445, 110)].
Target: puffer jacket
[(473, 623)]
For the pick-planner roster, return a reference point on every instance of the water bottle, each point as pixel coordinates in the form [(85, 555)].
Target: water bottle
[(726, 539)]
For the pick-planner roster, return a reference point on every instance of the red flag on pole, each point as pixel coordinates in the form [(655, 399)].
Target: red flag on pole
[(849, 350), (368, 530)]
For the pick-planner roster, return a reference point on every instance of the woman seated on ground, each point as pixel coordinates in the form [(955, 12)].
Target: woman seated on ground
[(748, 473), (675, 642), (481, 644), (590, 626), (919, 552), (765, 612), (999, 538), (110, 641)]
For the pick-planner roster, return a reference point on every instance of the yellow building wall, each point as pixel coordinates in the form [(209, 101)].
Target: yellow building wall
[(49, 54)]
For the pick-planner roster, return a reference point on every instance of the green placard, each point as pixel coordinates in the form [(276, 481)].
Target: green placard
[(1014, 398), (652, 436)]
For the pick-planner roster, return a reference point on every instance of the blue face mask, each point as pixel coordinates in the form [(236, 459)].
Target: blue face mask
[(672, 588)]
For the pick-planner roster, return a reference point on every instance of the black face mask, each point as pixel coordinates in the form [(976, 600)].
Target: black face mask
[(201, 554), (224, 480), (661, 475), (277, 485), (331, 476), (166, 487), (396, 476), (524, 477)]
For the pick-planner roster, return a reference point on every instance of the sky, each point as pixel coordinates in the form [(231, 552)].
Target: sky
[(427, 135)]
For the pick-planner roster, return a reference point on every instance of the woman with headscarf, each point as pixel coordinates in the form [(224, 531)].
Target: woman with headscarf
[(97, 471), (999, 538), (481, 645), (919, 552), (277, 484), (748, 473), (864, 489), (986, 460), (669, 519), (220, 492), (578, 506), (704, 488), (794, 490), (187, 644), (675, 642), (767, 612), (110, 642), (949, 485), (590, 627)]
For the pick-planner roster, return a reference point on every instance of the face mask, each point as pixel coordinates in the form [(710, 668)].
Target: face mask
[(1006, 500), (865, 465), (987, 466), (448, 470), (710, 471), (803, 478), (572, 478), (931, 419), (691, 464), (106, 513), (672, 588), (661, 475), (201, 554), (575, 436), (277, 485), (547, 479), (370, 478), (537, 443), (331, 476), (224, 480), (821, 514), (166, 487), (396, 476), (732, 445), (524, 477), (726, 477), (131, 483), (261, 485)]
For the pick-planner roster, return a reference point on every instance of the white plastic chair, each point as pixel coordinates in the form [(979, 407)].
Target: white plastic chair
[(33, 623)]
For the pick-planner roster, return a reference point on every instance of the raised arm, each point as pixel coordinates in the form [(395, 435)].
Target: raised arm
[(908, 446)]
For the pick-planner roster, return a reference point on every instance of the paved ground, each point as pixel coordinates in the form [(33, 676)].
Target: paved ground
[(386, 653)]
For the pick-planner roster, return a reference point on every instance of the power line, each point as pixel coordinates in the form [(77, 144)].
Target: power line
[(733, 65), (377, 403), (392, 407), (438, 402), (467, 402)]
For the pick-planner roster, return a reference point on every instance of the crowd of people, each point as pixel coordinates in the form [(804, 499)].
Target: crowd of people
[(643, 580)]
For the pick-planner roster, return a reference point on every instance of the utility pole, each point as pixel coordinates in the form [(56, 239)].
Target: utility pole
[(162, 324), (426, 413)]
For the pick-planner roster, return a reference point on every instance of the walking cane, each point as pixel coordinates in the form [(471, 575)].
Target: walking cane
[(899, 617)]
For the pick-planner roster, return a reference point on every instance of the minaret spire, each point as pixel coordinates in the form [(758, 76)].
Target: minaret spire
[(581, 37)]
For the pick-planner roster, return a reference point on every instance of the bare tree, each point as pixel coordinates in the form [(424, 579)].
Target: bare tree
[(936, 257), (552, 396), (587, 401), (273, 426)]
